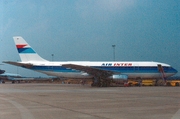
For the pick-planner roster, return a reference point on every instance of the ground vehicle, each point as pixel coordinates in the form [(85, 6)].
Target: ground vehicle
[(173, 82)]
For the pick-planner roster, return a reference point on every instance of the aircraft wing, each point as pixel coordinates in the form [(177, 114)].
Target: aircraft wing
[(27, 65), (90, 70)]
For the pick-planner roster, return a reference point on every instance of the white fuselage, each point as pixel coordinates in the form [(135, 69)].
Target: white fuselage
[(129, 68)]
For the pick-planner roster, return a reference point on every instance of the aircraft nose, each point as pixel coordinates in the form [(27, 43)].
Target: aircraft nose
[(175, 71)]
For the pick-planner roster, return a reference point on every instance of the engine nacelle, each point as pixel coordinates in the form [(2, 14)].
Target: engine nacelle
[(118, 77), (85, 74)]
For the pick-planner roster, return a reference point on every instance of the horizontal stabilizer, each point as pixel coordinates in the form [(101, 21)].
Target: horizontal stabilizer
[(19, 64)]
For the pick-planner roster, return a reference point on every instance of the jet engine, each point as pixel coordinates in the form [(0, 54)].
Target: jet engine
[(119, 77)]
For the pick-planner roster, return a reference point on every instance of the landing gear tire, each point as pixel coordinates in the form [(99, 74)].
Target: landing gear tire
[(101, 84), (176, 84)]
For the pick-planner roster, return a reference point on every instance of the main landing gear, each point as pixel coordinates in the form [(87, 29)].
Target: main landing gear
[(99, 82)]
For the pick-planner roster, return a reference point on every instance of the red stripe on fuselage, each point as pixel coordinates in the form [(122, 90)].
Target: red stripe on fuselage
[(20, 46)]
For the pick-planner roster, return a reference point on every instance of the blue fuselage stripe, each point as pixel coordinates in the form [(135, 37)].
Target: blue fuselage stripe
[(108, 68)]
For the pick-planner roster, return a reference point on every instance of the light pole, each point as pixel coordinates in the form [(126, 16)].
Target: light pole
[(113, 46)]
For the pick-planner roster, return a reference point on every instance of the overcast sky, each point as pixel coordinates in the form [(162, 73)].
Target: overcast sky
[(73, 30)]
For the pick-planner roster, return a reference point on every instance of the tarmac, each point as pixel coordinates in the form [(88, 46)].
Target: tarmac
[(72, 101)]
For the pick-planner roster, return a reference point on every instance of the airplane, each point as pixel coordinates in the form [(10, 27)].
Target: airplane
[(102, 73), (8, 76), (18, 78)]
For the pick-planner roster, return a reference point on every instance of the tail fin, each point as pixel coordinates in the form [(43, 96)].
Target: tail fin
[(25, 51)]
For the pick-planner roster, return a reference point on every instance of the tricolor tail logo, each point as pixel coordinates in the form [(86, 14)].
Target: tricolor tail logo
[(24, 48)]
